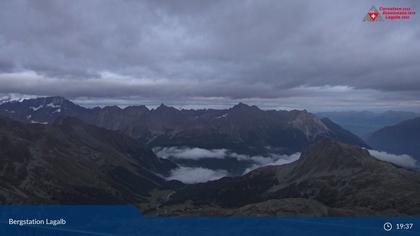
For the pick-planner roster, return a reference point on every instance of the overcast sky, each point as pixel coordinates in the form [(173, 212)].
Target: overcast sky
[(317, 55)]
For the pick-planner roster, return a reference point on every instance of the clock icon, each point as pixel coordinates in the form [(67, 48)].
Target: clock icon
[(387, 226)]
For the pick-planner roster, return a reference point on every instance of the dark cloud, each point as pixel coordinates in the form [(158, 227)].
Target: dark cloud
[(300, 53)]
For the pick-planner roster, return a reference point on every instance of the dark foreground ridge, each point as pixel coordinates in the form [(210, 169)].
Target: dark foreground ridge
[(71, 162), (330, 178)]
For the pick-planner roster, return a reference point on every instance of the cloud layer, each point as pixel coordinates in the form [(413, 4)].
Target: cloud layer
[(274, 159), (191, 175), (400, 160), (201, 174), (190, 153), (263, 52), (195, 153)]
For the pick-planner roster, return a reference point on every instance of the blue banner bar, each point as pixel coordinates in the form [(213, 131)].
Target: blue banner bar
[(128, 220)]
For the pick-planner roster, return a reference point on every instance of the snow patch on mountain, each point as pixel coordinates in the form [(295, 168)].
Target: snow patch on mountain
[(38, 122), (36, 108), (222, 116), (52, 105)]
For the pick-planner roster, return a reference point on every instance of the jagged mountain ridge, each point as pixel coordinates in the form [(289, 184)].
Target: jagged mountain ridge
[(242, 128), (330, 178), (71, 162)]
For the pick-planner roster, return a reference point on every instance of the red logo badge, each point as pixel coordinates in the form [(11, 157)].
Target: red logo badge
[(373, 15)]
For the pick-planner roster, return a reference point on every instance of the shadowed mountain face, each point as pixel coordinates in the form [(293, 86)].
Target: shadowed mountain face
[(71, 162), (364, 123), (402, 138), (242, 128), (330, 178)]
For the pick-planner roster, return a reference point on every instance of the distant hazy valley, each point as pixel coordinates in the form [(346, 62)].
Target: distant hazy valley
[(365, 123)]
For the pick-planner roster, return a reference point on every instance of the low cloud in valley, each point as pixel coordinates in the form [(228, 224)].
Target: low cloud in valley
[(200, 174), (403, 160), (191, 175)]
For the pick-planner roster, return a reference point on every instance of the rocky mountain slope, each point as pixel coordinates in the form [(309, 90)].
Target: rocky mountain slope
[(330, 178), (71, 162)]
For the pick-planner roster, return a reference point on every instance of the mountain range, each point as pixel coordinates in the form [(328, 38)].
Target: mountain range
[(54, 151), (242, 128)]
